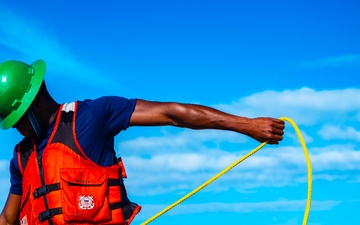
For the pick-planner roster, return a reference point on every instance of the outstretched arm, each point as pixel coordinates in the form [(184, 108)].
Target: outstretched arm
[(10, 213), (194, 116)]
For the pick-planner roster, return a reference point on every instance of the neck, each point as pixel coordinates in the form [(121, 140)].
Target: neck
[(53, 112)]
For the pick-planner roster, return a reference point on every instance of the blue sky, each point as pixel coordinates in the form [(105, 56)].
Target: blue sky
[(299, 59)]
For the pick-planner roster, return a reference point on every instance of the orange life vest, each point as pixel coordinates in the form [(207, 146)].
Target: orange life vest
[(62, 185)]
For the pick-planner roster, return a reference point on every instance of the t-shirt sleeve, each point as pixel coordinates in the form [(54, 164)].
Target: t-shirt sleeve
[(15, 176), (112, 113)]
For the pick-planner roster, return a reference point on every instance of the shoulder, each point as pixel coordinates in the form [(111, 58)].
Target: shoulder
[(106, 104), (106, 113)]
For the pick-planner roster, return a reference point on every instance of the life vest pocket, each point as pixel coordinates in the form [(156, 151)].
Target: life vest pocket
[(85, 195)]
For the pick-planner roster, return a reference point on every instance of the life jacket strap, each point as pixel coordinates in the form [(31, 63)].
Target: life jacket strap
[(124, 199), (48, 214), (34, 122), (121, 204), (115, 182), (46, 189)]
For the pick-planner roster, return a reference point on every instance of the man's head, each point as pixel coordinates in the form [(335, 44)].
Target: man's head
[(19, 85)]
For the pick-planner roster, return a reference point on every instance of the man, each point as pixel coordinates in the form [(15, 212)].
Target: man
[(65, 169)]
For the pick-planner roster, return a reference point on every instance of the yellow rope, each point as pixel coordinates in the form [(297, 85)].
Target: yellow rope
[(308, 202)]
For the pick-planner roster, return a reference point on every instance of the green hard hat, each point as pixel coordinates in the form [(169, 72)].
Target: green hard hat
[(19, 84)]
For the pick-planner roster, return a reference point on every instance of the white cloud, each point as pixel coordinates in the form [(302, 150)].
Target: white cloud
[(183, 141), (4, 181), (243, 207), (4, 166), (4, 191), (280, 167), (330, 132), (340, 160), (291, 133), (305, 106)]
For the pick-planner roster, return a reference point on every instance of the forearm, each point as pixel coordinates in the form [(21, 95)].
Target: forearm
[(263, 129), (185, 115), (203, 117), (10, 213), (4, 221)]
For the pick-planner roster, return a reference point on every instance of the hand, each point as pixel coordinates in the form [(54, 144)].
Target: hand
[(267, 129)]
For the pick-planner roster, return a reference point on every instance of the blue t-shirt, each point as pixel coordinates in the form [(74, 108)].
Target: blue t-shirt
[(98, 121)]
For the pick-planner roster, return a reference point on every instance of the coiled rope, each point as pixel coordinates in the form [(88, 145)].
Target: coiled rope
[(227, 169)]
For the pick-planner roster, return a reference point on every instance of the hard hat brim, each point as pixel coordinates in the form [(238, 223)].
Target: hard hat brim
[(40, 67)]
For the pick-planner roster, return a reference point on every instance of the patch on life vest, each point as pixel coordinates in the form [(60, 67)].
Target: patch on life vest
[(86, 202), (23, 221)]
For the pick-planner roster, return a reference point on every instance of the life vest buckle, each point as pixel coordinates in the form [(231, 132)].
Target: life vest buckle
[(46, 189), (40, 191), (45, 215)]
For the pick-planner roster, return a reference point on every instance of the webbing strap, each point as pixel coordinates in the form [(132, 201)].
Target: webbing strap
[(46, 189), (34, 122), (121, 204), (115, 182), (48, 214)]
